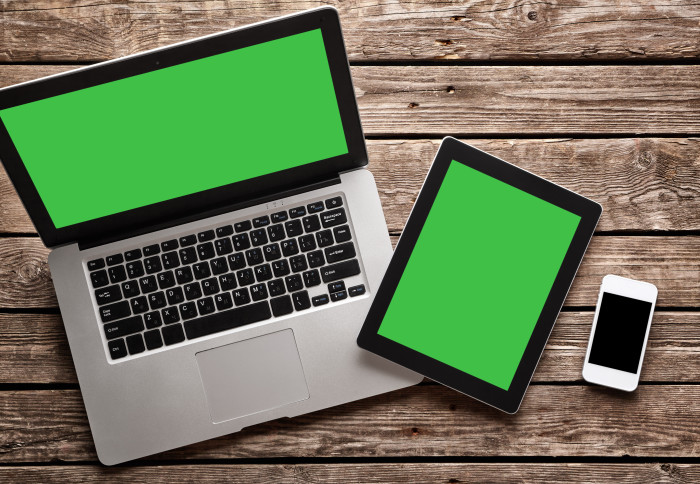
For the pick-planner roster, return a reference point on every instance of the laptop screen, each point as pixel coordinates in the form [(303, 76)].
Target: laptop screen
[(180, 130)]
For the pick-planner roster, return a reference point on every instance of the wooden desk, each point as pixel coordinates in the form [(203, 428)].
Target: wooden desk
[(601, 97)]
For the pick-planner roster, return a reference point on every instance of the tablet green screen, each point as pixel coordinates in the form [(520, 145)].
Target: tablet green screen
[(479, 275)]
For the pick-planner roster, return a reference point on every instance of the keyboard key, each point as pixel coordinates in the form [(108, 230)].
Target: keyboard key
[(272, 252), (290, 247), (324, 238), (115, 259), (236, 261), (210, 286), (170, 315), (188, 310), (114, 311), (225, 320), (124, 327), (320, 300), (276, 287), (173, 334), (311, 223), (166, 279), (117, 349), (241, 242), (135, 344), (315, 207), (258, 292), (152, 264), (134, 269), (206, 251), (263, 272), (297, 212), (169, 245), (148, 284), (342, 234), (205, 236), (108, 295), (275, 232), (294, 282), (205, 306), (188, 255), (183, 275), (357, 290), (224, 231), (150, 250), (95, 264), (307, 243), (258, 237), (117, 274), (218, 266), (153, 339), (341, 270), (263, 221), (301, 300), (279, 216), (340, 252), (334, 202), (245, 277), (333, 218), (242, 226), (156, 300), (188, 240), (337, 296), (315, 258), (175, 296), (227, 282), (281, 305), (223, 301), (153, 320), (241, 296), (201, 270), (193, 291), (311, 278), (280, 268), (254, 257), (170, 260), (99, 278), (298, 263), (139, 304), (336, 286), (223, 246), (130, 288), (293, 228)]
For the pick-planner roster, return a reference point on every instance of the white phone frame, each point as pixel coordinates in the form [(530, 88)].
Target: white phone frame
[(610, 377)]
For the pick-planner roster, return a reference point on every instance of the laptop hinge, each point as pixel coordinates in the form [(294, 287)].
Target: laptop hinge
[(88, 244)]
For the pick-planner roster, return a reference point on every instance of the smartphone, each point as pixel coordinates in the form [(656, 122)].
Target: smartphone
[(619, 333)]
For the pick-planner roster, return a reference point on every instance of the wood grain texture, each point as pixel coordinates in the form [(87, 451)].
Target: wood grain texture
[(366, 473), (672, 263), (33, 349), (81, 30), (643, 184), (421, 421), (471, 100)]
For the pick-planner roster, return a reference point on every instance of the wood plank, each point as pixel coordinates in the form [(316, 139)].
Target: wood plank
[(50, 30), (368, 473), (647, 184), (670, 262), (466, 100), (33, 349), (421, 421)]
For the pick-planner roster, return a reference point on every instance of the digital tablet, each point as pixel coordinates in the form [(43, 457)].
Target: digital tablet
[(479, 275)]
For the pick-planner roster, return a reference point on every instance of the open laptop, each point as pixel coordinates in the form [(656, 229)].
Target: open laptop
[(216, 237)]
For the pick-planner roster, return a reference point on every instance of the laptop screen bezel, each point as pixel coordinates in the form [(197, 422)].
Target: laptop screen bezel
[(227, 195)]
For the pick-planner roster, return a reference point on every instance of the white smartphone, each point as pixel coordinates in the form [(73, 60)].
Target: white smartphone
[(619, 333)]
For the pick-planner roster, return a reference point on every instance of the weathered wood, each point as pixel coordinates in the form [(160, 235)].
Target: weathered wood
[(643, 184), (33, 349), (50, 30), (366, 473), (672, 263), (471, 100), (423, 421)]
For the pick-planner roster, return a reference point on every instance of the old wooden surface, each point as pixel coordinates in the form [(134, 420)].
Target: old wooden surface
[(602, 97)]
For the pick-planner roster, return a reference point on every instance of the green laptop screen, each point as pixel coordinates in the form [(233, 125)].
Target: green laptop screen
[(479, 275), (180, 130)]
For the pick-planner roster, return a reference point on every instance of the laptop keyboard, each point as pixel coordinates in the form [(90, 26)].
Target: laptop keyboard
[(200, 284)]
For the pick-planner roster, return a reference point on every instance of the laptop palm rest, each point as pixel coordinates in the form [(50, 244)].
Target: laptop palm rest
[(252, 376)]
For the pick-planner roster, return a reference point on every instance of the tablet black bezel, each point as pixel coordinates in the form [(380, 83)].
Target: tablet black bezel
[(589, 211), (124, 223)]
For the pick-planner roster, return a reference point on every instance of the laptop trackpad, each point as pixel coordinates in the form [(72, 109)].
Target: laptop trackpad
[(252, 376)]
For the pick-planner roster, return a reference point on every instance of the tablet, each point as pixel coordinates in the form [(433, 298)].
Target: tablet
[(479, 275)]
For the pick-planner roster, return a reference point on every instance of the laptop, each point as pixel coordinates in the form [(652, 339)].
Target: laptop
[(216, 237)]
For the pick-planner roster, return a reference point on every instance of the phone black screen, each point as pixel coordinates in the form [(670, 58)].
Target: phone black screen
[(619, 335)]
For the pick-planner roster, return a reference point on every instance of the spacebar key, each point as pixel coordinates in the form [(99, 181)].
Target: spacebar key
[(233, 318), (341, 270)]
